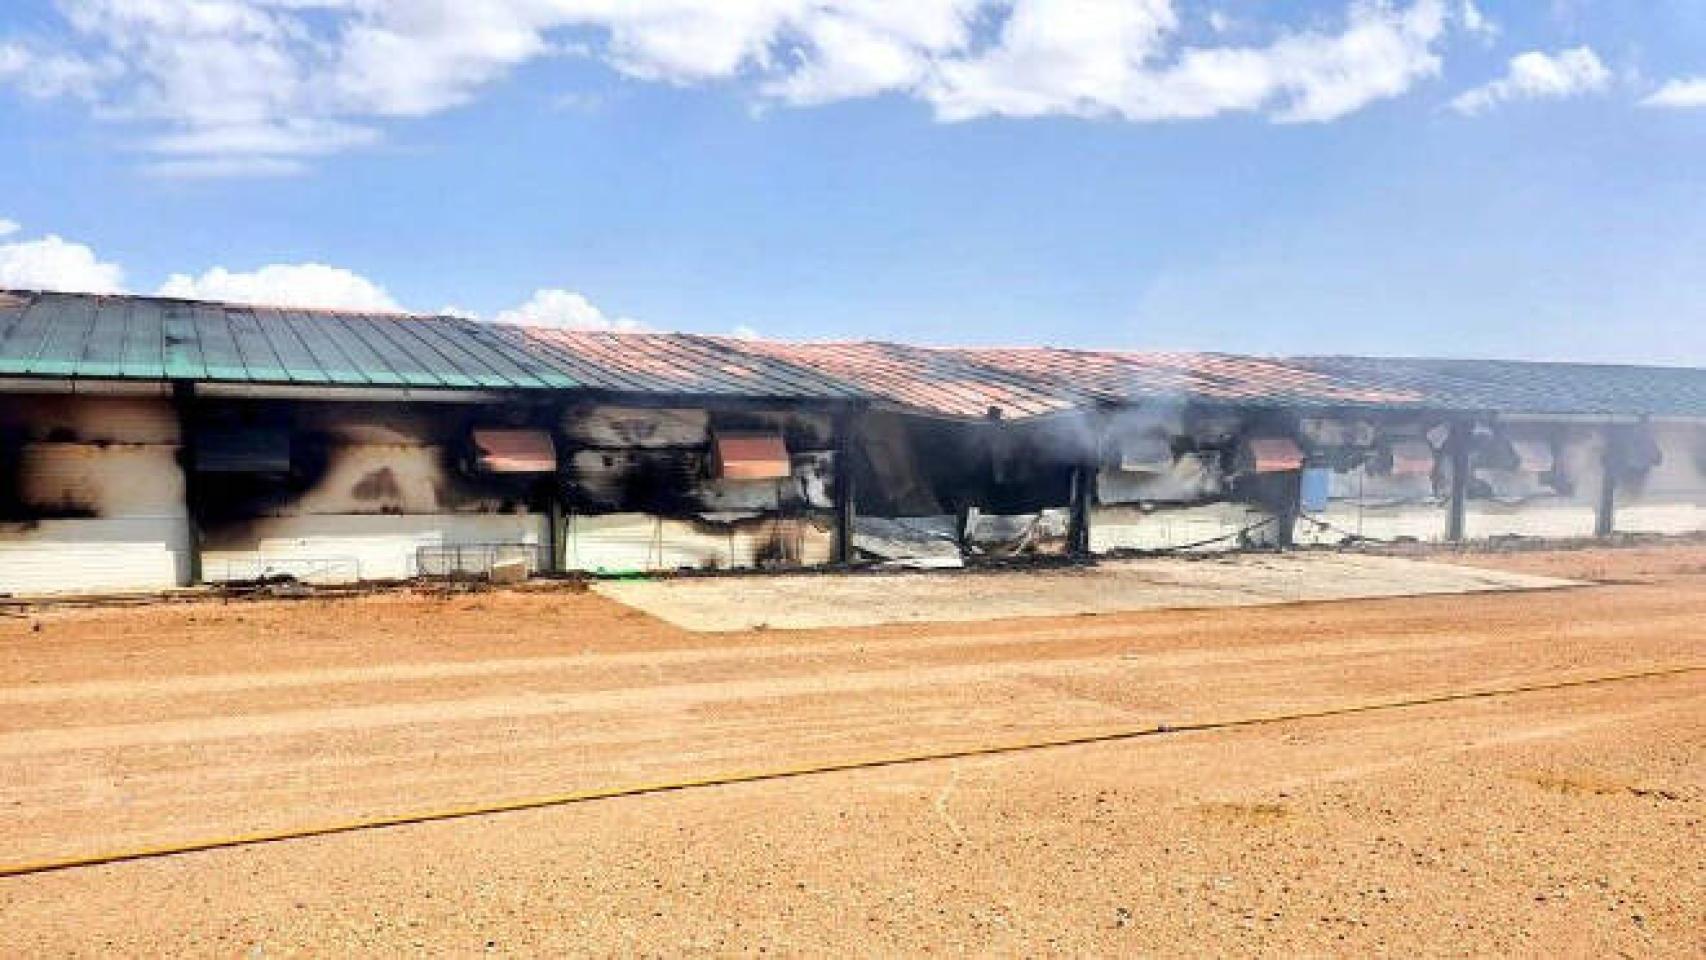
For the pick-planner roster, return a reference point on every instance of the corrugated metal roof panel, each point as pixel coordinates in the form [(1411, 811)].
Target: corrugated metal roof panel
[(144, 341), (943, 382), (675, 364), (1131, 377), (95, 336), (1531, 387)]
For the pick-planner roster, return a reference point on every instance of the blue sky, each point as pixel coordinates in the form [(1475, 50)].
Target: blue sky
[(1410, 177)]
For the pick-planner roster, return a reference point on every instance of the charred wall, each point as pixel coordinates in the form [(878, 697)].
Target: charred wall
[(1533, 478), (91, 494), (357, 490), (1171, 475), (356, 459), (1661, 479), (937, 490), (1386, 477), (906, 466), (643, 491), (69, 457)]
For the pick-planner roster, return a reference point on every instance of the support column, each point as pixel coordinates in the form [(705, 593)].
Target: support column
[(555, 561), (1457, 447), (1605, 515), (183, 401), (845, 496), (1290, 505), (554, 507), (1078, 525), (1083, 489)]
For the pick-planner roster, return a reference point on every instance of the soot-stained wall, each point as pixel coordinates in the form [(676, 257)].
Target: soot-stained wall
[(930, 489), (368, 486), (91, 495), (1388, 479), (1667, 496), (642, 492), (1534, 479), (1171, 477)]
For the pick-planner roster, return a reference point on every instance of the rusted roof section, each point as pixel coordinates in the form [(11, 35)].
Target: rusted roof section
[(674, 363), (1133, 377), (928, 380)]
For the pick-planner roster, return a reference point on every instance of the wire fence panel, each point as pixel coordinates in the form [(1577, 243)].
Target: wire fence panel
[(476, 560), (316, 570)]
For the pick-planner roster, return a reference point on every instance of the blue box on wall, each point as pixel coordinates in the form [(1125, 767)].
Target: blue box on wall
[(1313, 492)]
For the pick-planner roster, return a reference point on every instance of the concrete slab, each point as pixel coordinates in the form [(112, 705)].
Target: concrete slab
[(815, 601)]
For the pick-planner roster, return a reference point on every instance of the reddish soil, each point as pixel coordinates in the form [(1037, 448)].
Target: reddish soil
[(1560, 822)]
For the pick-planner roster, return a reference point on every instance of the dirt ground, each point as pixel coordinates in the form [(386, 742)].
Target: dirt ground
[(815, 601), (1563, 822)]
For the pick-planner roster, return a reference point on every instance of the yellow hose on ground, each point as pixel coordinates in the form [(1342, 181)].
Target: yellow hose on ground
[(635, 790)]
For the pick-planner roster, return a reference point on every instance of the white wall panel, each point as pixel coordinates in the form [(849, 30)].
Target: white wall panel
[(625, 542), (1553, 519), (1348, 520), (1671, 499), (1131, 528), (368, 547), (98, 555), (110, 497)]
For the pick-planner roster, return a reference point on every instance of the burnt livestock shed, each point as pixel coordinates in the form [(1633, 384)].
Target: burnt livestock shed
[(150, 442)]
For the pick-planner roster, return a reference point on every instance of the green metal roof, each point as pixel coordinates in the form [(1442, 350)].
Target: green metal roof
[(1513, 386), (142, 338)]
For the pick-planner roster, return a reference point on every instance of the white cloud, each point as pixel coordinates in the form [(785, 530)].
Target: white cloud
[(217, 167), (1112, 58), (262, 85), (565, 310), (1475, 22), (52, 263), (284, 284), (1679, 94), (867, 47), (281, 138), (1539, 76), (46, 75)]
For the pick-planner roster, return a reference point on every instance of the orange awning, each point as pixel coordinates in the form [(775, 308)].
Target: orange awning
[(751, 456), (1274, 454), (515, 451)]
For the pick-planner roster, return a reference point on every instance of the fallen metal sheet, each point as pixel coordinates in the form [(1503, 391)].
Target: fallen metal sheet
[(908, 538), (821, 601), (999, 534)]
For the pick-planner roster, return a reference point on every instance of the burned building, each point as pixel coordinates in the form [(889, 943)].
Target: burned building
[(147, 443)]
